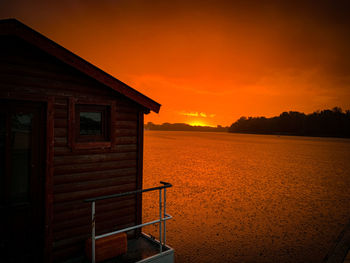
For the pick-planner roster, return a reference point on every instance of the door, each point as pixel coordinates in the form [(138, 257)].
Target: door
[(22, 141)]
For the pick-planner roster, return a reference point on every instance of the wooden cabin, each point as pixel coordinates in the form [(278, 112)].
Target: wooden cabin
[(68, 131)]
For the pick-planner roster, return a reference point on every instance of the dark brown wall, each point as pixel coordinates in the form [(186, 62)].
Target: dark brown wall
[(27, 73)]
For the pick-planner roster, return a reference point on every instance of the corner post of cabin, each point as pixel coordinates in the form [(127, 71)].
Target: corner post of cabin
[(139, 169), (93, 232), (49, 179)]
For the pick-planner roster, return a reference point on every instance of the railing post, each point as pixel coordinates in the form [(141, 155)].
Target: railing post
[(164, 213), (160, 221), (93, 233)]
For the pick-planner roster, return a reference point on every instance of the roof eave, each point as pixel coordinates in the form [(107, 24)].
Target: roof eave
[(16, 28)]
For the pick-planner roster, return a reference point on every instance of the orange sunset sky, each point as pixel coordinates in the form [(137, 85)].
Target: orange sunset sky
[(208, 62)]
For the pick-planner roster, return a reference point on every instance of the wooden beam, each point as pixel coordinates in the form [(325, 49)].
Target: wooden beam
[(139, 170), (49, 179)]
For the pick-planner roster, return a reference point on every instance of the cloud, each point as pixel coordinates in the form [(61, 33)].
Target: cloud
[(192, 114), (197, 114)]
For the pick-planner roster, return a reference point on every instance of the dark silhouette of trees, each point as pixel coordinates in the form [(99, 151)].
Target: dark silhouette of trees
[(330, 123)]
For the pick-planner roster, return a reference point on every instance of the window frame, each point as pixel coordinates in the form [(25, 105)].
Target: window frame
[(106, 139)]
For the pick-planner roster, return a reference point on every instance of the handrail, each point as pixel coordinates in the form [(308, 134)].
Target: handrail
[(167, 217), (165, 185), (163, 216)]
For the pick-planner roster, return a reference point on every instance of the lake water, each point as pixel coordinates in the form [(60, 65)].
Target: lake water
[(249, 198)]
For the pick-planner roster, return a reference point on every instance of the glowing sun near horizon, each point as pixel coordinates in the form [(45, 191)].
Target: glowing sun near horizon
[(198, 118), (199, 123)]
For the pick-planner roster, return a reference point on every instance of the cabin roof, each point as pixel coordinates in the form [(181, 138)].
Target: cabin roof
[(16, 28)]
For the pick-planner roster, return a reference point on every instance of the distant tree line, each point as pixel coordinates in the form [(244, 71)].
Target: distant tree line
[(183, 127), (330, 123)]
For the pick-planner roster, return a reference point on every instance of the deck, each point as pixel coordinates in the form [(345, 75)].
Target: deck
[(143, 249)]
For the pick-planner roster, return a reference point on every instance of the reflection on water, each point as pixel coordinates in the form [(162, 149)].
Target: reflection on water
[(249, 198)]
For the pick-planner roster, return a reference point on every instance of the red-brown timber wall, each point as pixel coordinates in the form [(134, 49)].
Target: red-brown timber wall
[(30, 74)]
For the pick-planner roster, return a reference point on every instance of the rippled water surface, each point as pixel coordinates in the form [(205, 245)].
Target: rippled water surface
[(249, 198)]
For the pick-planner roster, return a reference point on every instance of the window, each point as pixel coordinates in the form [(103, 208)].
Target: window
[(92, 123)]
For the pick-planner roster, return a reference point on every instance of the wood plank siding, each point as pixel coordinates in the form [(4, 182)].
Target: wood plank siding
[(27, 73)]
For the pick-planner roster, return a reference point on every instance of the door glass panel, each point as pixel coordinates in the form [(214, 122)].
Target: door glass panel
[(2, 154), (21, 129)]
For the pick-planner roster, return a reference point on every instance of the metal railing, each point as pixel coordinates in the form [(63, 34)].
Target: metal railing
[(163, 216)]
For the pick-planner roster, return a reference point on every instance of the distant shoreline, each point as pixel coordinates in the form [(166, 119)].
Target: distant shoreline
[(183, 127)]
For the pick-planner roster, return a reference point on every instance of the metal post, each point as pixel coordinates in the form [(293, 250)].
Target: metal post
[(93, 232), (160, 221), (164, 214)]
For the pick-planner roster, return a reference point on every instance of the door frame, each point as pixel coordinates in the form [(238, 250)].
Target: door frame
[(48, 151)]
